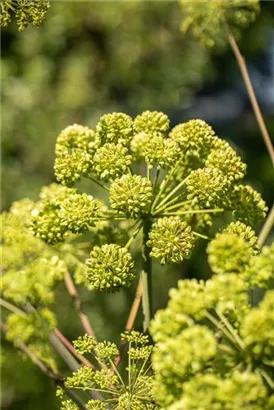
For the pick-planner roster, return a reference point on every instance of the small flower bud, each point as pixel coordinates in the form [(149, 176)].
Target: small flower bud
[(257, 328)]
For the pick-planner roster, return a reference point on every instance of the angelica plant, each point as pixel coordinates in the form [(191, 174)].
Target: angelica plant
[(188, 175)]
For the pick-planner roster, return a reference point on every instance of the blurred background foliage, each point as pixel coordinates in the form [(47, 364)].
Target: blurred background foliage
[(89, 58)]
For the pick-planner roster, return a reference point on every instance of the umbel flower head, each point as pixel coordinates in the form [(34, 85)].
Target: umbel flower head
[(257, 328), (76, 136), (74, 151), (195, 137), (26, 12), (30, 269), (132, 393), (131, 195), (171, 240), (33, 329), (226, 160), (210, 391), (109, 267), (161, 151), (190, 161), (77, 212), (260, 270), (228, 253), (111, 161), (249, 207), (245, 232), (152, 123), (46, 222), (69, 168), (207, 21), (208, 187), (114, 128)]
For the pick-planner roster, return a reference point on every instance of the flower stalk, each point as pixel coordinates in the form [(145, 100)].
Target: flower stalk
[(146, 275)]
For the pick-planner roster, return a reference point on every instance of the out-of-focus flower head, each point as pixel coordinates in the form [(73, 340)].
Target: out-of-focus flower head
[(26, 12), (207, 22)]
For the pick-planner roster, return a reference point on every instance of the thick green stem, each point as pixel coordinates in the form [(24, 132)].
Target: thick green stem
[(146, 275)]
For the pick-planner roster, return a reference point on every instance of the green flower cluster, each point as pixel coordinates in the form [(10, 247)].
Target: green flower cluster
[(228, 253), (131, 393), (109, 267), (213, 350), (62, 210), (30, 269), (77, 212), (131, 195), (26, 12), (207, 22), (249, 207), (236, 250), (208, 187), (195, 138), (33, 329), (111, 161), (74, 150), (175, 211), (224, 158), (209, 391), (171, 240), (204, 170), (260, 270)]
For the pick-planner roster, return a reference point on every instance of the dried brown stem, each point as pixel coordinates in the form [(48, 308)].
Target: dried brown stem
[(266, 229), (131, 318), (75, 296), (57, 379), (71, 348), (256, 108), (135, 306)]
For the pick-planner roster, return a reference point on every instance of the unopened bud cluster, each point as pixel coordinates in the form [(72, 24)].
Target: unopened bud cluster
[(26, 12)]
